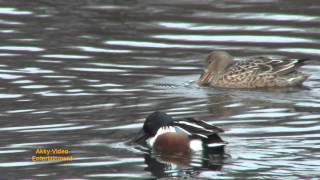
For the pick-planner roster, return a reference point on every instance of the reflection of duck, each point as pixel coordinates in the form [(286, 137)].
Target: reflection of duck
[(255, 72), (182, 136), (182, 166)]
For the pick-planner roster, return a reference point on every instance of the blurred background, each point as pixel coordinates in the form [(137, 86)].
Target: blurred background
[(83, 75)]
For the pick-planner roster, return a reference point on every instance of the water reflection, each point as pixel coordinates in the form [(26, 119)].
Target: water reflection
[(224, 27), (234, 38), (152, 44), (13, 11), (183, 166), (20, 48)]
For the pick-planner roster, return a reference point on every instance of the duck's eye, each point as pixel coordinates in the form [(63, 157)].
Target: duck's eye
[(209, 60)]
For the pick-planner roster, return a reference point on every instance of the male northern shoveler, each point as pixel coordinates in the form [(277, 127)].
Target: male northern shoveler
[(169, 136), (255, 72)]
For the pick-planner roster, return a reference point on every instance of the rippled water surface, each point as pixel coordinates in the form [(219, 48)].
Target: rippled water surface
[(83, 75)]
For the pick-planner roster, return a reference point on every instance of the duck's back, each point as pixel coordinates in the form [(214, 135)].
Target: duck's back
[(258, 72)]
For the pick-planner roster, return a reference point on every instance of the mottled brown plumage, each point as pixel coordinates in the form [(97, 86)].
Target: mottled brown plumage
[(255, 72)]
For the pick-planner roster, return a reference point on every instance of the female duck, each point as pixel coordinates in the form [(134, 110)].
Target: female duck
[(255, 72)]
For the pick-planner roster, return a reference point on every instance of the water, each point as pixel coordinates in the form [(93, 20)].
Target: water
[(83, 75)]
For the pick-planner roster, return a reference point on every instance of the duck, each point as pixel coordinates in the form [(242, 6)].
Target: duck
[(221, 70), (166, 135)]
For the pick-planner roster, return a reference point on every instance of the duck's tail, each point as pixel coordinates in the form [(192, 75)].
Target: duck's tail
[(295, 78)]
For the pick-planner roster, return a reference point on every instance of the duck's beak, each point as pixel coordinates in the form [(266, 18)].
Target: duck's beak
[(204, 78), (141, 138)]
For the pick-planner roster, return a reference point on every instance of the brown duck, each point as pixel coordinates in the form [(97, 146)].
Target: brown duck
[(255, 72)]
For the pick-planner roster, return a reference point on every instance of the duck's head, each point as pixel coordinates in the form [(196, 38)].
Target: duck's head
[(153, 123), (216, 63)]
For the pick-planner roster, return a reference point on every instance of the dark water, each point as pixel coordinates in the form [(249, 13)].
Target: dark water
[(83, 75)]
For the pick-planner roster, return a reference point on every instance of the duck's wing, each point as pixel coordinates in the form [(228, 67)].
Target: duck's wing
[(260, 65), (195, 127)]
